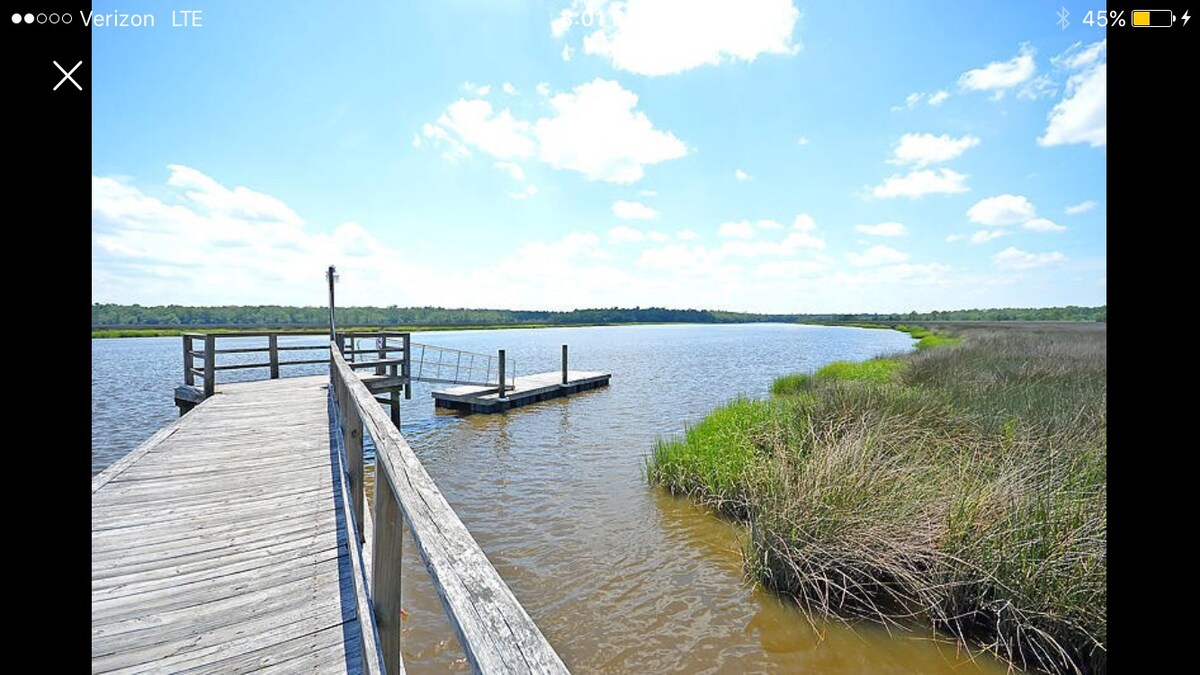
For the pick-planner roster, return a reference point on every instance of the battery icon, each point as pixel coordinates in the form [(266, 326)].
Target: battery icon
[(1153, 18)]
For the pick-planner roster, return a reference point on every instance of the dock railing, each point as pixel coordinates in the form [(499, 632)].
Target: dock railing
[(495, 632), (391, 349)]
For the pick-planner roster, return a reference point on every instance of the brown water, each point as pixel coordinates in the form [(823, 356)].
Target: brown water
[(621, 577)]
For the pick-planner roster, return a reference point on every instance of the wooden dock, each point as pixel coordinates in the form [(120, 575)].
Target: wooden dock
[(223, 542), (524, 390), (239, 537)]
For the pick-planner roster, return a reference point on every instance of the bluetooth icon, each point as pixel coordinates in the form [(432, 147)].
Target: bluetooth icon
[(1062, 18)]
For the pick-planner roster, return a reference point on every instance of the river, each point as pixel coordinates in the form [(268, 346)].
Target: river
[(620, 576)]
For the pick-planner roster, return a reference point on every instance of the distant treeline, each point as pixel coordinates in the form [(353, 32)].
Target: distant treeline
[(1068, 313), (278, 315)]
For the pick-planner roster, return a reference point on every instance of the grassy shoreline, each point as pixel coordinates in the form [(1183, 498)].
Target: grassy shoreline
[(962, 486)]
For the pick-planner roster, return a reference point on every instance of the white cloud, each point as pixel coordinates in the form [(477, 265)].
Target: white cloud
[(742, 229), (924, 149), (656, 236), (687, 235), (955, 237), (883, 230), (1002, 210), (525, 193), (1043, 225), (475, 123), (1082, 115), (1013, 258), (664, 37), (248, 246), (542, 88), (509, 89), (1000, 76), (1042, 86), (938, 97), (920, 183), (238, 203), (416, 141), (476, 90), (798, 240), (909, 101), (597, 132), (1077, 56), (633, 210), (595, 129), (562, 23), (876, 255), (512, 169), (804, 223), (623, 234), (648, 193), (567, 52), (741, 176), (1081, 207), (984, 236), (802, 141)]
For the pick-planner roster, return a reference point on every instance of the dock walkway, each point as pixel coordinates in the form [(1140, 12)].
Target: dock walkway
[(221, 543), (240, 538)]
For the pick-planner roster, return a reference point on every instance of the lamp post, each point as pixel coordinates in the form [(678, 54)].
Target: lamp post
[(332, 276)]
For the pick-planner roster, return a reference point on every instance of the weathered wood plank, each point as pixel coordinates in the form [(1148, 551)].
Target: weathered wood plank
[(121, 465), (224, 540)]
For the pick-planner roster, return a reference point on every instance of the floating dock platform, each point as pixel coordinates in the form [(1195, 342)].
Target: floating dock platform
[(523, 391)]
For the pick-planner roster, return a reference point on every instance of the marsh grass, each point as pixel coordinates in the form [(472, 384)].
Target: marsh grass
[(967, 489)]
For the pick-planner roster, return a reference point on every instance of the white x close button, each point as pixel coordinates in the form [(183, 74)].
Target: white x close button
[(67, 76)]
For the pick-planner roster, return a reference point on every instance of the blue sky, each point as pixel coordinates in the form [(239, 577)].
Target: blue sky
[(755, 155)]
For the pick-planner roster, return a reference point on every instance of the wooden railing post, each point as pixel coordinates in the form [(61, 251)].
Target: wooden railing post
[(406, 366), (210, 364), (564, 364), (381, 343), (500, 369), (385, 569), (352, 438), (188, 378), (273, 348)]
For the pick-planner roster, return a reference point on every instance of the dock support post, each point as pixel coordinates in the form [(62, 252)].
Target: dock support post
[(394, 404), (500, 368), (381, 345), (385, 570), (564, 364), (210, 364), (406, 367), (273, 348), (188, 378)]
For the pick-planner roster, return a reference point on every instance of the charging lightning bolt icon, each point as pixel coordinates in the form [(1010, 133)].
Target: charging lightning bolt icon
[(1185, 17)]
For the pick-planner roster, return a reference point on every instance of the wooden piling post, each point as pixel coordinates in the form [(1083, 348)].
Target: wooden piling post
[(564, 364), (188, 378), (273, 348), (210, 364), (500, 368), (394, 404), (406, 366)]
